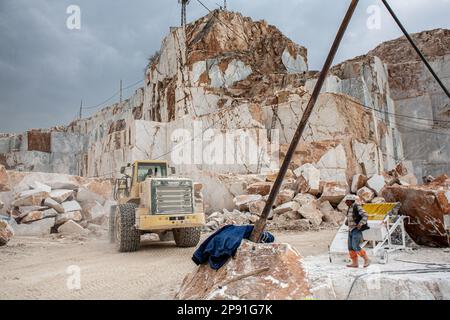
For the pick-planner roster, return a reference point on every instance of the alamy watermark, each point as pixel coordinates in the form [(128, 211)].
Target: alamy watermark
[(73, 281), (374, 20), (248, 147), (73, 21)]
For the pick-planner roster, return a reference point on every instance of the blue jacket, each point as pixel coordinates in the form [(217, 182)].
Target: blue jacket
[(223, 244)]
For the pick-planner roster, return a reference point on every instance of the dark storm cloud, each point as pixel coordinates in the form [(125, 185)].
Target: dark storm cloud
[(46, 69)]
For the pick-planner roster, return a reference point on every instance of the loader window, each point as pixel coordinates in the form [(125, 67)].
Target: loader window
[(156, 170)]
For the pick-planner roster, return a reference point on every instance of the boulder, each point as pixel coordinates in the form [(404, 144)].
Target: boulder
[(97, 214), (70, 206), (389, 179), (334, 192), (309, 209), (261, 188), (292, 215), (311, 177), (30, 198), (85, 195), (104, 188), (257, 207), (284, 196), (258, 272), (378, 200), (289, 206), (35, 229), (72, 228), (325, 207), (342, 207), (61, 195), (41, 186), (428, 179), (272, 175), (6, 232), (242, 202), (39, 215), (289, 221), (20, 212), (4, 180), (427, 206), (63, 185), (289, 184), (64, 217), (401, 169), (214, 215), (302, 185), (376, 183), (366, 194), (330, 215), (441, 181), (212, 225), (408, 180), (358, 181), (49, 202)]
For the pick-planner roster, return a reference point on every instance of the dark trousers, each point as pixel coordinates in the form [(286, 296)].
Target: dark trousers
[(354, 240)]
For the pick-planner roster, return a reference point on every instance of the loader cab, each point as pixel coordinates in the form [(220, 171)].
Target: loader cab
[(136, 173), (144, 170)]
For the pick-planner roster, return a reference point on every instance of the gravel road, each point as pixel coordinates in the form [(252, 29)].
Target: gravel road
[(42, 268)]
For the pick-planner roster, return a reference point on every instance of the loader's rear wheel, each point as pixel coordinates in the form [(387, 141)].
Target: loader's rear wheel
[(128, 238), (187, 237)]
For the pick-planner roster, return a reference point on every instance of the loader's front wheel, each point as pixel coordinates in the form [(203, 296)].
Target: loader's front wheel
[(187, 237), (128, 238), (112, 227)]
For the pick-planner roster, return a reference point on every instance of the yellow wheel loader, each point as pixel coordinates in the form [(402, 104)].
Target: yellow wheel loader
[(151, 201)]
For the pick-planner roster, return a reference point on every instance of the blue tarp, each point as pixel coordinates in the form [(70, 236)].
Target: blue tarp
[(223, 244)]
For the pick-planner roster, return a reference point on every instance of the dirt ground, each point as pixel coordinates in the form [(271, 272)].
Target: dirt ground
[(40, 268)]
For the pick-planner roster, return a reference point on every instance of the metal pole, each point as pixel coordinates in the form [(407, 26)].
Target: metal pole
[(120, 92), (81, 110), (411, 41), (261, 223)]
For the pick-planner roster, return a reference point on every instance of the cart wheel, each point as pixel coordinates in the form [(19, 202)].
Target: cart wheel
[(384, 257)]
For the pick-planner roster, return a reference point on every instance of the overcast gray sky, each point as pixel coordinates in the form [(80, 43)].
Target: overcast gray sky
[(46, 69)]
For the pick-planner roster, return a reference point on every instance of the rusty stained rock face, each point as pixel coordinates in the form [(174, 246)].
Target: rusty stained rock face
[(39, 141), (258, 272), (426, 206), (208, 38)]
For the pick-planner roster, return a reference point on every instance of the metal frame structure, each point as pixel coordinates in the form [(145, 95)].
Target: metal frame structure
[(384, 246)]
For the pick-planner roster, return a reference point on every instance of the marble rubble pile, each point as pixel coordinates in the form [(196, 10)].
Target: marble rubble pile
[(43, 204), (305, 202)]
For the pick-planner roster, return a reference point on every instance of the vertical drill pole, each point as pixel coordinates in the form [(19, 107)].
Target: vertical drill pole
[(261, 223)]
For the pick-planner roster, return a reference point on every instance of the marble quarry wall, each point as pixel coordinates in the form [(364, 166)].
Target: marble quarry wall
[(392, 82), (226, 74)]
